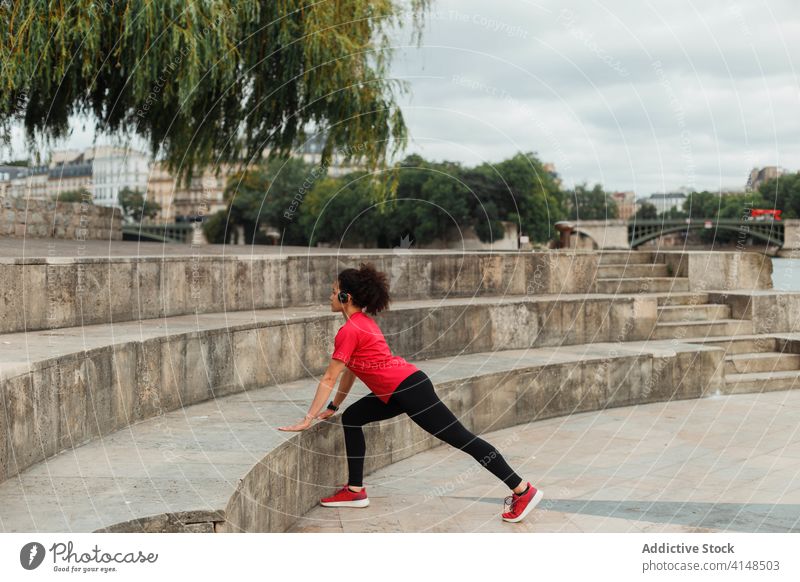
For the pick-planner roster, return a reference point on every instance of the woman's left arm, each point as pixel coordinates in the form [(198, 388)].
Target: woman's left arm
[(324, 390)]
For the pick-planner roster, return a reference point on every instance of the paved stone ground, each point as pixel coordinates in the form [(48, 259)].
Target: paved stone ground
[(727, 463), (44, 248)]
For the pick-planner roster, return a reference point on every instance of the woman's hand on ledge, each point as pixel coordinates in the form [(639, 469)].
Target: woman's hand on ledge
[(302, 425), (325, 414)]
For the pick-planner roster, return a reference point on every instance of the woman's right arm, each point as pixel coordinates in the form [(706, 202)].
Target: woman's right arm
[(345, 383)]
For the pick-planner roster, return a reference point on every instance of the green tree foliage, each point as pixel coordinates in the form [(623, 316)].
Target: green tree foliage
[(433, 201), (782, 193), (215, 228), (530, 195), (647, 211), (712, 205), (702, 204), (445, 203), (81, 195), (207, 82), (594, 204), (271, 194), (135, 206), (342, 212), (673, 214), (16, 163)]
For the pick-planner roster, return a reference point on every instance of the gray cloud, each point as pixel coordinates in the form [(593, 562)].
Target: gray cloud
[(646, 96)]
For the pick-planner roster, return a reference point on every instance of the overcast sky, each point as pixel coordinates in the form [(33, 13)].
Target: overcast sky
[(643, 96)]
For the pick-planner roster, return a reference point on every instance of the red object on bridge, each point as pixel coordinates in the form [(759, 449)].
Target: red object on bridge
[(764, 214)]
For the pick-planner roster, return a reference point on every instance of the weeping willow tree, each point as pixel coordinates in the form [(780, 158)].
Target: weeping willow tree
[(208, 82)]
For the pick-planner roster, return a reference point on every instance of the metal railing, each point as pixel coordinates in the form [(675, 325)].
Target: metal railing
[(179, 232)]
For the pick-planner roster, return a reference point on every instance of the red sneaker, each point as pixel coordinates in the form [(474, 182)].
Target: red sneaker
[(346, 498), (521, 505)]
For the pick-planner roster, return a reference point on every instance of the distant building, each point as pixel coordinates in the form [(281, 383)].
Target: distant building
[(203, 196), (25, 181), (106, 170), (665, 201), (626, 204), (311, 153), (102, 171), (760, 176), (115, 169), (68, 175), (8, 177), (550, 168)]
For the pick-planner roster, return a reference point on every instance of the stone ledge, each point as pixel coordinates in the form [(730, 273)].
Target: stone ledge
[(60, 292)]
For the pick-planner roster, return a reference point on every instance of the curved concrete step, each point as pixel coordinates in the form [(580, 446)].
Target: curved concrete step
[(642, 284), (61, 292), (740, 344), (630, 257), (224, 460), (703, 312), (617, 470), (762, 381), (721, 327), (631, 270), (61, 388), (682, 298), (745, 363)]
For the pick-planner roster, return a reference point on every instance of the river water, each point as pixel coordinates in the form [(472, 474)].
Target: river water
[(786, 274)]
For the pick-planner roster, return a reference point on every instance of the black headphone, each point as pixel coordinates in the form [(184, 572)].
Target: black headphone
[(342, 297)]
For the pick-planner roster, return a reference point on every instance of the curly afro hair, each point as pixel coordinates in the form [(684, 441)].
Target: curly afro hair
[(367, 287)]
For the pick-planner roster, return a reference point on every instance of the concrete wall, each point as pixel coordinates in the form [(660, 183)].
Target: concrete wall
[(40, 294), (606, 234), (468, 240), (791, 237), (36, 218), (771, 311), (721, 270)]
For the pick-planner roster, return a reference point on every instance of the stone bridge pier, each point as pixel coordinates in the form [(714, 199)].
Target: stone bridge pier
[(599, 234)]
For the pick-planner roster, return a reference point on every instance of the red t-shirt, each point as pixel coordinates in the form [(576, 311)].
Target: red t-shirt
[(361, 346)]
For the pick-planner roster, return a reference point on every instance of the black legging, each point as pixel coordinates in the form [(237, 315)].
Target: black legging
[(416, 397)]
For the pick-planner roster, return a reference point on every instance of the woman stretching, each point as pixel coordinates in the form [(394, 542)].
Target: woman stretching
[(397, 387)]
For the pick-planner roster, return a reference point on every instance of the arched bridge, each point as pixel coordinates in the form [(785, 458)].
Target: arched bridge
[(641, 231), (782, 235)]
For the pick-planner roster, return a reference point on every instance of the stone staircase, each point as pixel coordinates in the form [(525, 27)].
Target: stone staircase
[(691, 315), (752, 363), (681, 313), (758, 364), (637, 272)]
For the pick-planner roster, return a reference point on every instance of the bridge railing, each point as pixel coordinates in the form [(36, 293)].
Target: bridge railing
[(769, 231), (179, 232)]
